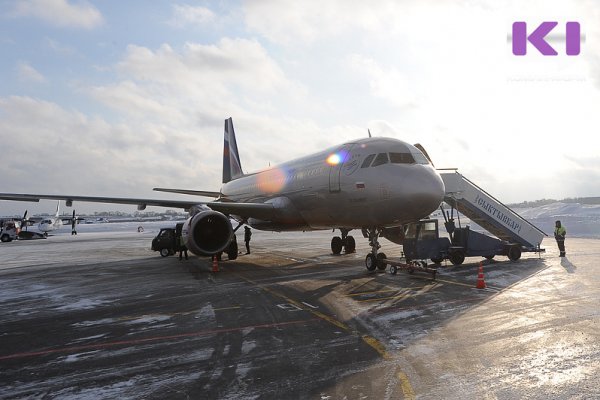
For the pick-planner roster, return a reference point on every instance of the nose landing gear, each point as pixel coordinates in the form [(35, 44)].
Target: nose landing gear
[(374, 259)]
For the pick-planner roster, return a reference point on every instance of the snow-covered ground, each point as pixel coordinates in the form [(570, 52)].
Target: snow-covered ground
[(579, 220)]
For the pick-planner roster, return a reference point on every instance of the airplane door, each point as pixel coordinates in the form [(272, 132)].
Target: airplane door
[(342, 155)]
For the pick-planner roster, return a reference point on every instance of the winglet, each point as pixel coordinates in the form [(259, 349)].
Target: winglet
[(232, 167)]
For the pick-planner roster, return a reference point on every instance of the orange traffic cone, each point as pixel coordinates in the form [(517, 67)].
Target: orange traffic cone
[(480, 280), (215, 267)]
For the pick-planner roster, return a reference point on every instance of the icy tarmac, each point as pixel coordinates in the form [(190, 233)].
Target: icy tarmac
[(100, 316)]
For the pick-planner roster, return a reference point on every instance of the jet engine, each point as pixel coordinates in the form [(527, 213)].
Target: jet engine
[(207, 233)]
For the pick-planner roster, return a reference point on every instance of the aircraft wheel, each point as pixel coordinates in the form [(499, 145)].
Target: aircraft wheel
[(232, 250), (350, 246), (164, 252), (457, 257), (370, 262), (514, 253), (336, 245), (380, 263), (393, 269)]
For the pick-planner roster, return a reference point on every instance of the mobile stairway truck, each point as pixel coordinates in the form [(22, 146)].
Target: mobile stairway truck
[(513, 234)]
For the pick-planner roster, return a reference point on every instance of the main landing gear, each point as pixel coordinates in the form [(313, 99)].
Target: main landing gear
[(374, 259), (346, 242)]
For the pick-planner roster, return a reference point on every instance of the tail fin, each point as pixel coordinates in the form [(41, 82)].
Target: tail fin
[(232, 167)]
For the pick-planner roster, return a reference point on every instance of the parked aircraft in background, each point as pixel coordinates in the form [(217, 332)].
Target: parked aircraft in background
[(46, 225), (373, 184)]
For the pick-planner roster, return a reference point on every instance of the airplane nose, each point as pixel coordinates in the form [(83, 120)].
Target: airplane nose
[(427, 191)]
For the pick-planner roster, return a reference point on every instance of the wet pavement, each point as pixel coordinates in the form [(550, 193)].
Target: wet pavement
[(100, 316)]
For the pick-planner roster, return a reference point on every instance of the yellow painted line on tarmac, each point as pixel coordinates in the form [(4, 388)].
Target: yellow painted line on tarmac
[(376, 344), (399, 297), (371, 341), (409, 393), (373, 292), (331, 320)]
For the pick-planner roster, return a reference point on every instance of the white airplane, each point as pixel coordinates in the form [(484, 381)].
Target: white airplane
[(51, 224), (373, 184)]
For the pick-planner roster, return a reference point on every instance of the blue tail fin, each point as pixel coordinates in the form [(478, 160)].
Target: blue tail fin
[(232, 167)]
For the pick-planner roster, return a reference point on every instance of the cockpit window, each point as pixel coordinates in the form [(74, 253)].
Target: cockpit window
[(367, 161), (420, 158), (382, 158), (402, 158)]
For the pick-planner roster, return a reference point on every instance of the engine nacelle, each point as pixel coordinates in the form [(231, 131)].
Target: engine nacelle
[(207, 233)]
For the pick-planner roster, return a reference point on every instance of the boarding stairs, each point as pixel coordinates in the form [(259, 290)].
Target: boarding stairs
[(489, 213)]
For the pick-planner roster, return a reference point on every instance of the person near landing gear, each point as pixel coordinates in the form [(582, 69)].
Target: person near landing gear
[(559, 234), (182, 248), (247, 236)]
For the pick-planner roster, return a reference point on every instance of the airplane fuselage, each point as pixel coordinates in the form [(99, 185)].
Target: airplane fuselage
[(373, 182), (50, 224)]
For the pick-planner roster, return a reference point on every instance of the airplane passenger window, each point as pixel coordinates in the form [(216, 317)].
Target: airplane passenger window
[(382, 158), (401, 158), (367, 161)]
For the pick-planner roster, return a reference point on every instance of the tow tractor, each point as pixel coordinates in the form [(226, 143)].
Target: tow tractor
[(421, 242)]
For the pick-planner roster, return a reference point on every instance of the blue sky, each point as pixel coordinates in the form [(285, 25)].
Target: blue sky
[(114, 98)]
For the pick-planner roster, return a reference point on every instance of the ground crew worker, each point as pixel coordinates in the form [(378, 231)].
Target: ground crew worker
[(247, 235), (559, 234), (182, 248)]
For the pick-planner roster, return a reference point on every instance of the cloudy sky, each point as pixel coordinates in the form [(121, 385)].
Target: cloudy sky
[(114, 98)]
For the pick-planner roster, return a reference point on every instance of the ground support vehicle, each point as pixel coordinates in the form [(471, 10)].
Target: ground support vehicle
[(9, 231), (166, 240)]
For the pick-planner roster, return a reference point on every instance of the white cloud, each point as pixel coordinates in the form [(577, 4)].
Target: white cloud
[(389, 84), (60, 13), (308, 75), (42, 140), (231, 62), (186, 15), (194, 89), (27, 73), (310, 21)]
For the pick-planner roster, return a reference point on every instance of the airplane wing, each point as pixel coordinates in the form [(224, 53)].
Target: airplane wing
[(203, 193), (245, 210)]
